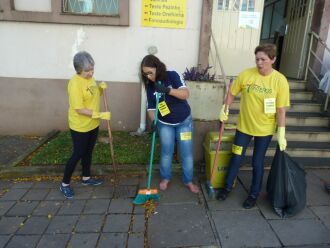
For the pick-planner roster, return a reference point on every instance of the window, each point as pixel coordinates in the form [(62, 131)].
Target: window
[(96, 12)]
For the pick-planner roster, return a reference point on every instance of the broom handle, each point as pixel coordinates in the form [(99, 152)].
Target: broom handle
[(153, 142), (109, 134)]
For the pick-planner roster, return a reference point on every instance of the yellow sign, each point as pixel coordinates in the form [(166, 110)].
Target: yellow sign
[(163, 108), (164, 13), (185, 136)]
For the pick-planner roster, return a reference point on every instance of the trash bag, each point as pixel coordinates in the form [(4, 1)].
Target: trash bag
[(286, 185)]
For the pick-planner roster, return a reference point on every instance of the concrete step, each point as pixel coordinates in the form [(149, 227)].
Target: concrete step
[(294, 119), (296, 106), (297, 85), (296, 94), (296, 133)]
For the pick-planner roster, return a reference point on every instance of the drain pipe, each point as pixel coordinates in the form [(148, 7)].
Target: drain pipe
[(143, 109)]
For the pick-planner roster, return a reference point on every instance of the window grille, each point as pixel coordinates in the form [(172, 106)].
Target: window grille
[(93, 7)]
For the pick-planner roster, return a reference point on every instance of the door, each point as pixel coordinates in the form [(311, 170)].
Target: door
[(295, 41)]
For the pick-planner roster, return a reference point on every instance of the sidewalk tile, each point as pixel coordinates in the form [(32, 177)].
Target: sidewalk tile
[(135, 240), (5, 184), (5, 206), (34, 225), (53, 241), (47, 207), (22, 208), (55, 195), (46, 185), (125, 191), (83, 240), (96, 206), (83, 193), (102, 193), (13, 195), (180, 225), (121, 206), (316, 194), (301, 232), (246, 228), (9, 225), (323, 212), (22, 185), (26, 241), (117, 223), (71, 207), (35, 194), (62, 224), (3, 240), (89, 223), (138, 223), (138, 209), (112, 240)]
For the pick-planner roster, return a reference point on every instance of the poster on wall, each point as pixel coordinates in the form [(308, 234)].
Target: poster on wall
[(163, 13), (249, 20)]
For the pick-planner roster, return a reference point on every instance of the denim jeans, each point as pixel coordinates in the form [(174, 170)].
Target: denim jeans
[(169, 134), (261, 144)]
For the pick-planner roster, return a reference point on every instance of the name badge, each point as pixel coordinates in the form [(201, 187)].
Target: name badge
[(163, 108), (185, 136), (269, 105)]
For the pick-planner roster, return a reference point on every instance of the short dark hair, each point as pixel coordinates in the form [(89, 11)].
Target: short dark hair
[(154, 62), (82, 61), (267, 48)]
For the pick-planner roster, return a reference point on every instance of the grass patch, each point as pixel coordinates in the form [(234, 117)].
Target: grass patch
[(128, 150)]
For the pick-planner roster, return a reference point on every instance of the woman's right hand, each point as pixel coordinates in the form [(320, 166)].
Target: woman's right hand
[(224, 112)]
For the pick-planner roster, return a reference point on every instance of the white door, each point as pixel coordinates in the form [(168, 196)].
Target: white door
[(295, 41), (235, 38)]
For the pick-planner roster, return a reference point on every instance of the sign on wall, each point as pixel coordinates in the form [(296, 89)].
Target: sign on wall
[(164, 13), (249, 19)]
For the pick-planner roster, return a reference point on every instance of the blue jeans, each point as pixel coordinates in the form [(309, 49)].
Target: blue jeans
[(261, 144), (169, 134)]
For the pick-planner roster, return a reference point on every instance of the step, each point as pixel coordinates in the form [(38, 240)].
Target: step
[(294, 119), (297, 85), (296, 106), (295, 95)]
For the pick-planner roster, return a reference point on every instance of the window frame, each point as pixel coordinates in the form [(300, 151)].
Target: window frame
[(8, 13)]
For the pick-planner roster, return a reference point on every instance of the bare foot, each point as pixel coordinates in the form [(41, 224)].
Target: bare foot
[(193, 188), (163, 184)]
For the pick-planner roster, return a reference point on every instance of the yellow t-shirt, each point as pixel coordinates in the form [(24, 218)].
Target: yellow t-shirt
[(83, 93), (256, 90)]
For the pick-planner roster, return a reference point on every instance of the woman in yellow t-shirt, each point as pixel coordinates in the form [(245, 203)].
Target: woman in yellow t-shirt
[(83, 115), (264, 98)]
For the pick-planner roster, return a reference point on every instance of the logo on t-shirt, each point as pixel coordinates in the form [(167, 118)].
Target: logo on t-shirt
[(258, 89)]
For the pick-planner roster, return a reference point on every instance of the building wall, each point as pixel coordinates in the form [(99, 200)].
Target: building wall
[(36, 62)]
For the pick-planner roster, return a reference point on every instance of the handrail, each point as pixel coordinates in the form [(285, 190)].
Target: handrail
[(310, 69)]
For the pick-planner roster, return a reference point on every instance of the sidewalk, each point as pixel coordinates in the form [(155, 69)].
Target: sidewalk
[(35, 214)]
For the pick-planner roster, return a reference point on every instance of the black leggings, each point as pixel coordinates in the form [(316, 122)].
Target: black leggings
[(83, 145)]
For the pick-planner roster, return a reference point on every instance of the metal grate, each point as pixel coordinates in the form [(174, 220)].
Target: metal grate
[(94, 7)]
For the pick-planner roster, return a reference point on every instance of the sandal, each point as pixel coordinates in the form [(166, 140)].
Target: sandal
[(163, 184), (193, 188)]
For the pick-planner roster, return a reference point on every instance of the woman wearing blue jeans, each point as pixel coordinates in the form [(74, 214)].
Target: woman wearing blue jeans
[(174, 118), (264, 98)]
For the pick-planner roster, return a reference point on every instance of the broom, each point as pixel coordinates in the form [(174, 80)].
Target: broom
[(147, 194)]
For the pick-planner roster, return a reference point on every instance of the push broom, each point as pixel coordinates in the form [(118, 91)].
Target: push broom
[(147, 194)]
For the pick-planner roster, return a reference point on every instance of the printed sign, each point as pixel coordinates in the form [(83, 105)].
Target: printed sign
[(164, 13), (249, 19)]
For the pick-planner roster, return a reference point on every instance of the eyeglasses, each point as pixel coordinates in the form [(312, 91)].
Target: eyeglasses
[(146, 74)]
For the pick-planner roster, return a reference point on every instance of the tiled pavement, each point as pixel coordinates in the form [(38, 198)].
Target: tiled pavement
[(35, 214)]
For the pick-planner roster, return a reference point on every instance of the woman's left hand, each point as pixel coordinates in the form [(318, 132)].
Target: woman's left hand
[(103, 85)]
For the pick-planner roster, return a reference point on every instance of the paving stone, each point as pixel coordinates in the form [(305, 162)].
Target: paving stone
[(47, 207), (135, 240), (117, 223), (22, 185), (125, 191), (4, 184), (90, 223), (113, 240), (46, 185), (316, 195), (96, 206), (321, 173), (323, 212), (301, 232), (5, 206), (102, 193), (138, 223), (180, 225), (22, 208), (138, 209), (246, 228), (121, 206), (23, 241), (3, 240), (35, 194), (62, 224), (129, 181), (55, 194), (83, 240), (72, 207), (9, 225), (53, 240), (34, 225), (83, 193), (13, 195)]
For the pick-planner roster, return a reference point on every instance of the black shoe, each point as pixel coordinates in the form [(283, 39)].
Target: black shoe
[(327, 187), (250, 202), (222, 195)]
